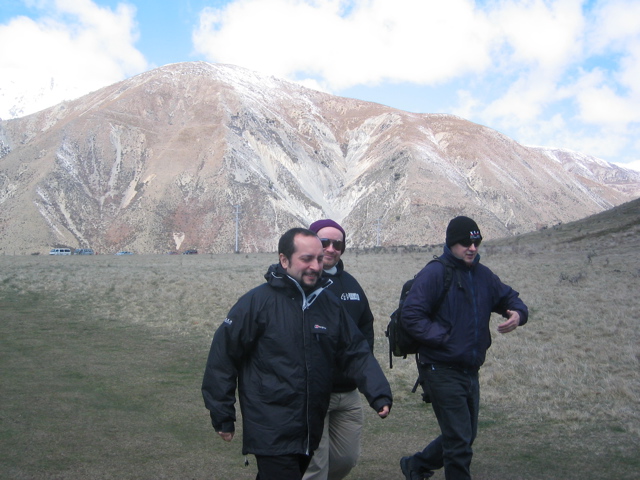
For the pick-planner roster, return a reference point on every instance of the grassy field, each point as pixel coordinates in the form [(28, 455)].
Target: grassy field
[(102, 359)]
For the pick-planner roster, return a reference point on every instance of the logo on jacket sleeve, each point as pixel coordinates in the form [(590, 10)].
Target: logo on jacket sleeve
[(350, 296)]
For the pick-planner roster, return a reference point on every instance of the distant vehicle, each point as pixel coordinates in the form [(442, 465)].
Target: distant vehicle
[(192, 251), (83, 251), (172, 253), (123, 252), (60, 251)]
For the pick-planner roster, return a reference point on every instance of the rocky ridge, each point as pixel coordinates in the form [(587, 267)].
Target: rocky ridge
[(164, 160)]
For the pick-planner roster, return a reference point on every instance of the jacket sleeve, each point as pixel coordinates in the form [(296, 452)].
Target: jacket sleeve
[(365, 323), (358, 362), (362, 314), (231, 341), (508, 299), (417, 315)]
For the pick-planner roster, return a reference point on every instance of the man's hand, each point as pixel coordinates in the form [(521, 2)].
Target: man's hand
[(226, 436), (513, 321), (384, 412)]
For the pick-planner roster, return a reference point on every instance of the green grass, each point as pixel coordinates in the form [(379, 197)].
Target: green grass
[(102, 360), (87, 397)]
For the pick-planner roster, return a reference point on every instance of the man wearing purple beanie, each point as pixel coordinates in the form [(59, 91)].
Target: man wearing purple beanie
[(339, 448)]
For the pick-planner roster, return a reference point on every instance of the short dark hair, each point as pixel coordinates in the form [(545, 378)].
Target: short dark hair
[(286, 245)]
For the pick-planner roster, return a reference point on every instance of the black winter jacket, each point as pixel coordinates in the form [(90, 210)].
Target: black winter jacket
[(352, 296), (280, 346), (459, 335)]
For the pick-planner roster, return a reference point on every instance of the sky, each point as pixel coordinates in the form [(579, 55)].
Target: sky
[(554, 73)]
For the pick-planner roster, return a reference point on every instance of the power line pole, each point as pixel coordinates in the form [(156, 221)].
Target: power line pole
[(237, 226)]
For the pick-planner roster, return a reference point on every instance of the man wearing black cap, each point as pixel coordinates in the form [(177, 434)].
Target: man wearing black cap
[(339, 448), (454, 340)]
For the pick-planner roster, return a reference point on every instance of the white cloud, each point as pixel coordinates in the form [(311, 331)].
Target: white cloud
[(540, 34), (73, 48), (611, 96), (570, 75), (614, 22), (539, 41), (347, 43), (546, 72), (601, 105)]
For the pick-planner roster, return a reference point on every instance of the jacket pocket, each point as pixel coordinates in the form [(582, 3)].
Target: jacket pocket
[(437, 335)]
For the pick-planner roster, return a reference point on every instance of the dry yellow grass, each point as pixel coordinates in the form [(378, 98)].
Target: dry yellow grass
[(560, 397)]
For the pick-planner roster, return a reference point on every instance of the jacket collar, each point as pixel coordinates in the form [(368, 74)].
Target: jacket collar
[(339, 268), (277, 277)]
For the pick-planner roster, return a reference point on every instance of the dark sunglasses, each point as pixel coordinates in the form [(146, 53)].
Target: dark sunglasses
[(337, 244), (467, 243)]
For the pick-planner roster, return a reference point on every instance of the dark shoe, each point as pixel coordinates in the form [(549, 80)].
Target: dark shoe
[(410, 474), (404, 466), (406, 470)]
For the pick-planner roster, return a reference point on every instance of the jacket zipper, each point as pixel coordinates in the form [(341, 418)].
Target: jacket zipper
[(475, 318), (305, 305)]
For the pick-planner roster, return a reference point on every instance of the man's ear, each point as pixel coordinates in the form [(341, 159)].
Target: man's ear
[(284, 261)]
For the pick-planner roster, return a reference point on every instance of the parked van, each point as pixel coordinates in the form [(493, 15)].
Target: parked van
[(83, 251), (60, 251)]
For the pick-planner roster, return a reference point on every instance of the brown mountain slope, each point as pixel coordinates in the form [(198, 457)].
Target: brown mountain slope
[(162, 161), (618, 227)]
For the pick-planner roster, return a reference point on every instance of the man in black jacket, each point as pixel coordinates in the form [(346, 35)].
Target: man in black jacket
[(339, 448), (280, 344), (454, 339)]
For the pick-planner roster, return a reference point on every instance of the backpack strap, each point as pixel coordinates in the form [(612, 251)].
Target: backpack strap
[(448, 280)]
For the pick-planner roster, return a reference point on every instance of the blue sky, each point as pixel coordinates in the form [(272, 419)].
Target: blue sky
[(557, 73)]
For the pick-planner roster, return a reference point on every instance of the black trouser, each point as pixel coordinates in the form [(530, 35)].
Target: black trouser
[(455, 397), (282, 467)]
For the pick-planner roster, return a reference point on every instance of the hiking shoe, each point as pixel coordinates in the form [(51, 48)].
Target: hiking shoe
[(406, 470), (410, 474)]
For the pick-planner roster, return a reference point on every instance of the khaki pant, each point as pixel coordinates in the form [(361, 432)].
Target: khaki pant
[(339, 448)]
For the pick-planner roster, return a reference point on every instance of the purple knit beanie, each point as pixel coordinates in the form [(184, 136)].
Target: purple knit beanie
[(315, 227)]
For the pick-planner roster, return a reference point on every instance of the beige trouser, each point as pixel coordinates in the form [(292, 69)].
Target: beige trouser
[(339, 448)]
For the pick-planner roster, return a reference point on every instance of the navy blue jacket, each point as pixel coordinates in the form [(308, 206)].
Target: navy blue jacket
[(354, 300), (459, 335), (279, 345)]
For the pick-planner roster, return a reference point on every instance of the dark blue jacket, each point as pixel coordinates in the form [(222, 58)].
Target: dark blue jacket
[(279, 346), (354, 300), (459, 335)]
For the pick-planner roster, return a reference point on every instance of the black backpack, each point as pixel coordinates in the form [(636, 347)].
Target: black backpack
[(401, 343)]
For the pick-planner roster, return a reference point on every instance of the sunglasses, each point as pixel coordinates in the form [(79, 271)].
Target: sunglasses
[(468, 243), (337, 244)]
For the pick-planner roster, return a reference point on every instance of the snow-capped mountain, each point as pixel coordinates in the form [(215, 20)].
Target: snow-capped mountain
[(162, 161)]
